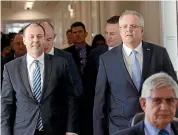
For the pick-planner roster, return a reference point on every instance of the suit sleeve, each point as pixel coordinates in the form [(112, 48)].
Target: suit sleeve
[(7, 104), (75, 77), (100, 100), (168, 67), (71, 98)]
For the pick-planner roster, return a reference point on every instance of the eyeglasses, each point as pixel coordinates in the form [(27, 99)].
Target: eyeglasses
[(158, 101), (132, 27)]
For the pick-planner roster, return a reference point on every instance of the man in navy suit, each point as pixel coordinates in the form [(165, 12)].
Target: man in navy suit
[(80, 52), (122, 71), (113, 39), (50, 49), (159, 100)]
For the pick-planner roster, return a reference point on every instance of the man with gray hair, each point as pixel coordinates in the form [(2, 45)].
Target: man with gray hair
[(159, 100), (122, 72)]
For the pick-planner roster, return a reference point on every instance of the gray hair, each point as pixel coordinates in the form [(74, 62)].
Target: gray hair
[(131, 12), (158, 80)]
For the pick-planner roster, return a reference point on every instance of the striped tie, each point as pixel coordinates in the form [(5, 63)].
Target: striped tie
[(37, 90), (135, 70), (163, 132)]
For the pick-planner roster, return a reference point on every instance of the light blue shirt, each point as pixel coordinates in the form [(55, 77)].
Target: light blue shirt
[(151, 130)]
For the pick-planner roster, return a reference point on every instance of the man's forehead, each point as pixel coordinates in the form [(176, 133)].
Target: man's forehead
[(18, 37), (34, 28), (165, 91), (77, 28), (112, 28)]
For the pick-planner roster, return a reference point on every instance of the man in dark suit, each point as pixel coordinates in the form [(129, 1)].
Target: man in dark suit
[(113, 39), (37, 91), (18, 48), (50, 49), (122, 71), (80, 51), (159, 100)]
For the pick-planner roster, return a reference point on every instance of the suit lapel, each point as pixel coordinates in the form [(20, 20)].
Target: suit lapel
[(147, 51), (24, 76), (174, 127), (140, 128), (122, 65), (47, 73)]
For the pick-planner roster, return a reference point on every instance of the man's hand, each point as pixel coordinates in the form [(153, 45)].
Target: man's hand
[(69, 133), (176, 119)]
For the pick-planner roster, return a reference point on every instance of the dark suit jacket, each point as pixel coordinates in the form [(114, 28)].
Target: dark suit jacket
[(75, 74), (20, 110), (83, 122), (76, 57), (5, 60), (124, 97), (90, 79), (138, 129)]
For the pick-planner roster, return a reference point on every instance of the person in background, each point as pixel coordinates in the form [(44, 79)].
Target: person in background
[(159, 101), (80, 52), (98, 40), (69, 36), (113, 39), (18, 48), (50, 49)]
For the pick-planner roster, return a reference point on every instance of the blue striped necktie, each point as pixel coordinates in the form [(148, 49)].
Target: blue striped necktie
[(163, 132), (135, 70), (37, 89)]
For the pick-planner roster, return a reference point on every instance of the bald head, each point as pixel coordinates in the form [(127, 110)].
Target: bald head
[(33, 25), (49, 37)]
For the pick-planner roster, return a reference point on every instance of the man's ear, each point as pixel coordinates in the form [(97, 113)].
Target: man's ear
[(142, 30), (24, 42), (142, 103), (86, 34), (55, 35)]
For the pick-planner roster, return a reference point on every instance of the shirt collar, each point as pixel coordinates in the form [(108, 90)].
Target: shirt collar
[(52, 51), (109, 48), (128, 50), (30, 59), (152, 130), (81, 47)]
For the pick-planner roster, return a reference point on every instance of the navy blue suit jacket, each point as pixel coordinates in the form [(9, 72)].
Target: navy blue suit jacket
[(138, 129), (116, 91), (75, 74)]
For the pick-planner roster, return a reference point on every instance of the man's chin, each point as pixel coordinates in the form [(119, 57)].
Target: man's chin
[(46, 50)]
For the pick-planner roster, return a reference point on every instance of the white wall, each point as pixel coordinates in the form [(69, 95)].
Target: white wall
[(169, 26), (93, 15)]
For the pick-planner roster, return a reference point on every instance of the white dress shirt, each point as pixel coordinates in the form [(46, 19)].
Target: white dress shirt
[(109, 48), (52, 51), (128, 56), (31, 67)]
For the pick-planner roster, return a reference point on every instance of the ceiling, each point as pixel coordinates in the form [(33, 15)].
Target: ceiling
[(20, 4)]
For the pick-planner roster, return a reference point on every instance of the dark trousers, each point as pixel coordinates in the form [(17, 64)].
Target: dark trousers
[(39, 132)]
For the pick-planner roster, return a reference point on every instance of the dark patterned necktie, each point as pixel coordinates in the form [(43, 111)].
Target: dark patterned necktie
[(163, 132), (82, 56)]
